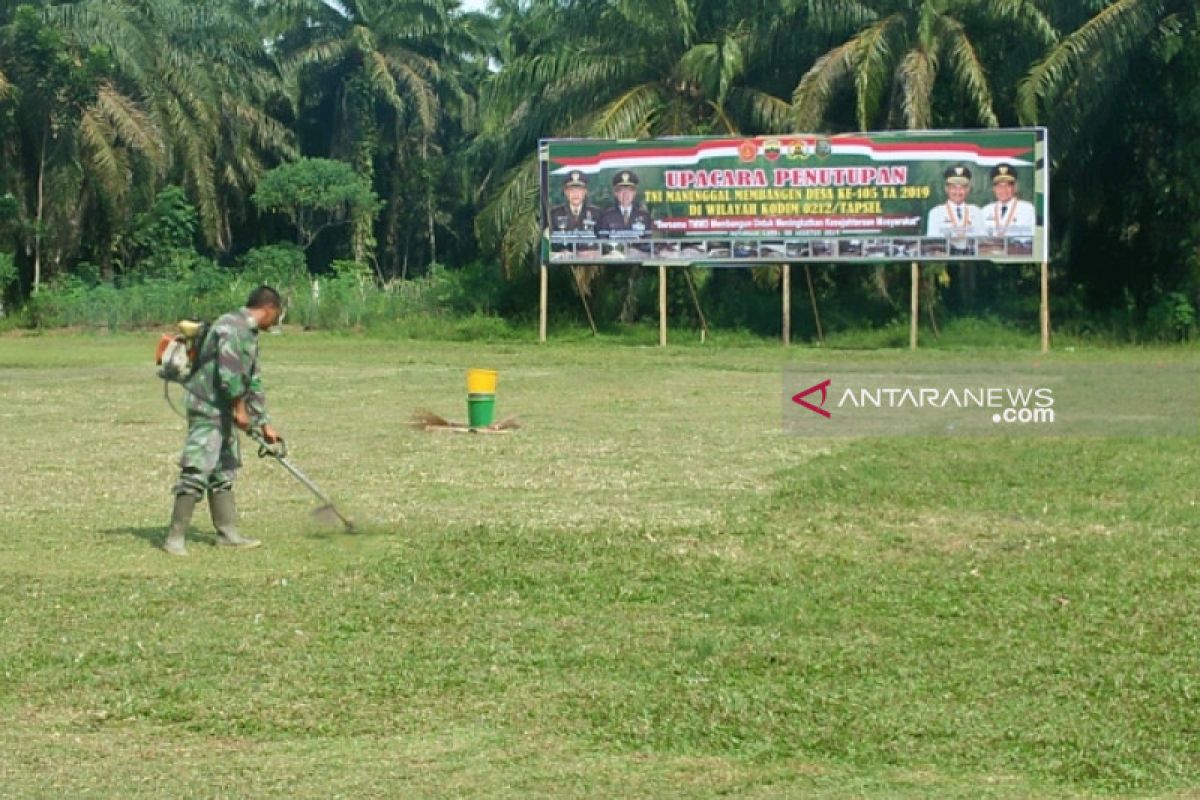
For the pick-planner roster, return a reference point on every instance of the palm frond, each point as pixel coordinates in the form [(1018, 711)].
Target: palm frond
[(509, 221), (424, 97), (629, 116), (768, 277), (699, 70), (187, 83), (810, 99), (915, 77), (674, 117), (585, 276), (320, 52), (836, 17), (721, 116), (1028, 17), (267, 133), (1085, 62), (543, 74), (380, 78), (107, 26), (732, 62), (196, 164), (520, 244), (98, 137), (969, 71), (687, 22), (873, 55), (763, 111), (132, 124)]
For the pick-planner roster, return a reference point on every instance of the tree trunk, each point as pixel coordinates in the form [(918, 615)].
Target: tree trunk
[(931, 296), (432, 236), (41, 203), (429, 206), (391, 222), (629, 304), (967, 281), (404, 263)]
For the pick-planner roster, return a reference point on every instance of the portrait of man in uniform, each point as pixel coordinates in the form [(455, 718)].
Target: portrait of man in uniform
[(1007, 215), (626, 218), (575, 217), (956, 219)]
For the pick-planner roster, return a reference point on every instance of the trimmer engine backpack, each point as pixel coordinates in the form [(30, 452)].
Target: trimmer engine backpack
[(178, 354)]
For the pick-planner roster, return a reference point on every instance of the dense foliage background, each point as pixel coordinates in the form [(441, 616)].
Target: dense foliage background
[(169, 149)]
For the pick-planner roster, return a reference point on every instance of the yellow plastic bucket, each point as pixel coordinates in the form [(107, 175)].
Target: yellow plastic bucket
[(481, 381)]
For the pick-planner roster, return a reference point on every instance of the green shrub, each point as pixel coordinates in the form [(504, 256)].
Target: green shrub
[(170, 224), (473, 289), (1172, 318), (8, 277), (282, 266)]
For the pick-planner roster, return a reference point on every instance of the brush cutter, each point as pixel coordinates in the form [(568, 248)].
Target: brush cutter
[(327, 512)]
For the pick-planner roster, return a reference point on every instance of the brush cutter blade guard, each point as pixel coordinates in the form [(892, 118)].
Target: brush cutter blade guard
[(330, 517), (327, 512)]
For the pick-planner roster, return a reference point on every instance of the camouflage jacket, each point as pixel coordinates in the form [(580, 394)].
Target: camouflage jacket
[(227, 368)]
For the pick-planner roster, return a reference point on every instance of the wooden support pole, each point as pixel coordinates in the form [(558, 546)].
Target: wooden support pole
[(543, 295), (662, 305), (787, 304), (687, 276), (916, 284), (1045, 315), (587, 309), (812, 296)]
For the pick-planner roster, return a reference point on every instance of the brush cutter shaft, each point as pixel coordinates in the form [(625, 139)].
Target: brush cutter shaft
[(300, 476), (279, 453)]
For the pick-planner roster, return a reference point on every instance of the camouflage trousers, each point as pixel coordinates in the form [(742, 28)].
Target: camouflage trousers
[(211, 456)]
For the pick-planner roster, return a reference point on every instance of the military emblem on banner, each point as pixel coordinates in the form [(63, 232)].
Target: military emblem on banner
[(772, 149), (748, 151), (824, 148), (801, 149)]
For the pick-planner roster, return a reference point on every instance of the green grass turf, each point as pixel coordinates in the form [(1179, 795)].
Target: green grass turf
[(647, 591)]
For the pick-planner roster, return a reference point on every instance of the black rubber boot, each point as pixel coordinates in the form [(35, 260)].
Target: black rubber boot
[(181, 517), (224, 518)]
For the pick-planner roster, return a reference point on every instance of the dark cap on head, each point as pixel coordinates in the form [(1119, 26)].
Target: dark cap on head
[(624, 178), (574, 178), (957, 174), (1002, 173)]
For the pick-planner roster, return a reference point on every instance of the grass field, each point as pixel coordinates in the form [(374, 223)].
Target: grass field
[(648, 591)]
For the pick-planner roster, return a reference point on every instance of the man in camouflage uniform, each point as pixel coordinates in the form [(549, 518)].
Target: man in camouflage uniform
[(224, 391)]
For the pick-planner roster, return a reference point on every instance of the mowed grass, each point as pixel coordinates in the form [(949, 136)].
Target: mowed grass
[(647, 591)]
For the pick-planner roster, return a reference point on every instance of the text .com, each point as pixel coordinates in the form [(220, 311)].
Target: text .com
[(1023, 416)]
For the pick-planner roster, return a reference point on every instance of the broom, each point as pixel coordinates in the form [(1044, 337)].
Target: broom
[(425, 420)]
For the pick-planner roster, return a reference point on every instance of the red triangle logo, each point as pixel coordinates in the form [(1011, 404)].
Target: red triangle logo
[(823, 388)]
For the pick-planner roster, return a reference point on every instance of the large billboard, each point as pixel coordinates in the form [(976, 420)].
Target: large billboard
[(861, 197)]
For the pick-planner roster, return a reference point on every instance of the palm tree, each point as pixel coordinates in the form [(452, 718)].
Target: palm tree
[(77, 135), (1086, 67), (377, 68), (907, 49), (113, 98), (917, 64), (616, 70), (1126, 196), (203, 75)]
